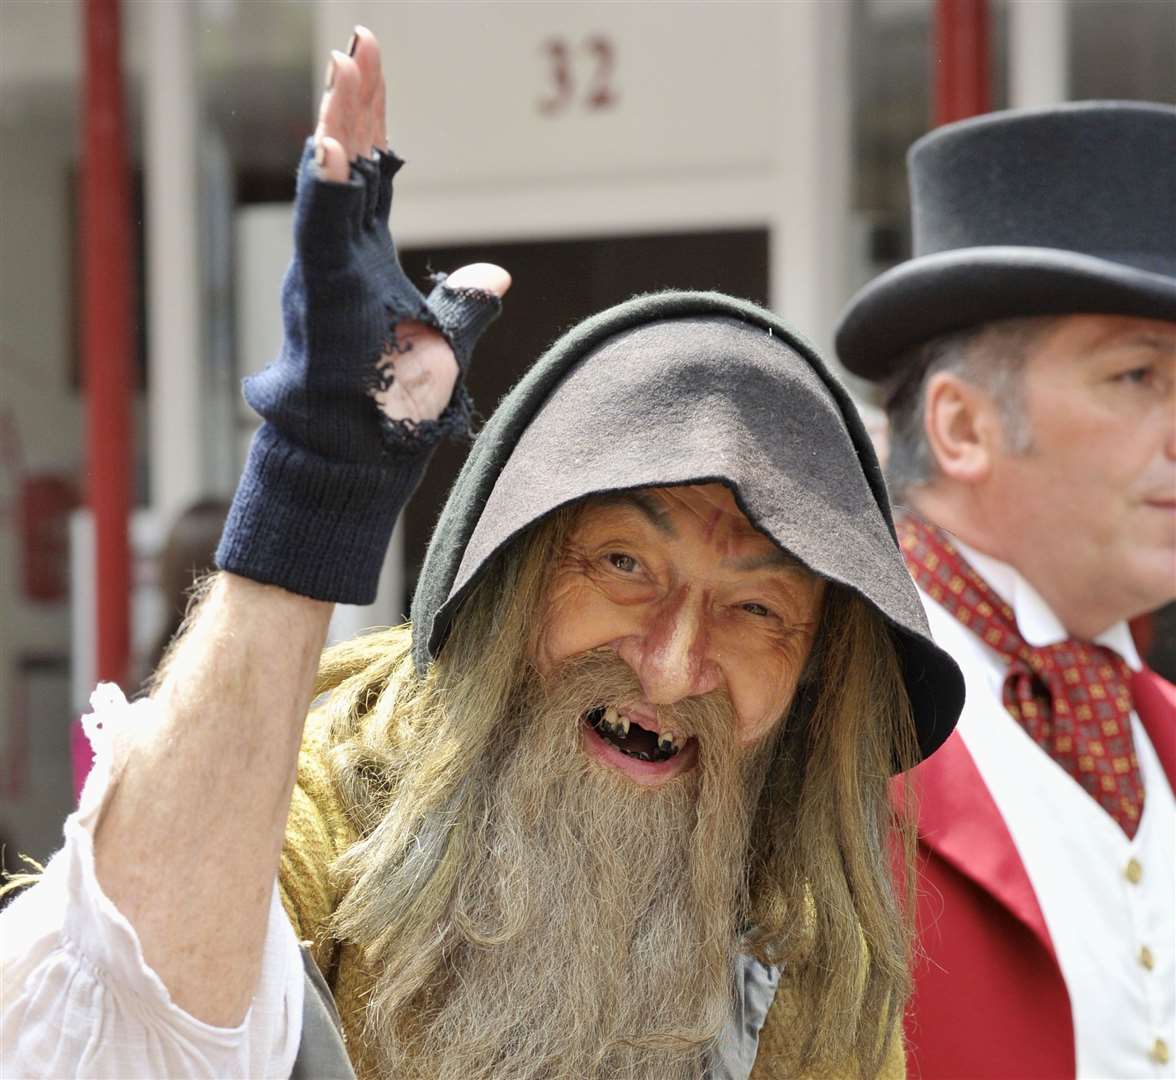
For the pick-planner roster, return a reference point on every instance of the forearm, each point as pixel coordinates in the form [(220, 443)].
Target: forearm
[(188, 843)]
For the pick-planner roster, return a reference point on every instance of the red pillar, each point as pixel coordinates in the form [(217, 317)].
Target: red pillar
[(960, 59), (106, 338)]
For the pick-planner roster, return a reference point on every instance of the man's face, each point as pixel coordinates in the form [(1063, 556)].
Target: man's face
[(679, 585), (1091, 505)]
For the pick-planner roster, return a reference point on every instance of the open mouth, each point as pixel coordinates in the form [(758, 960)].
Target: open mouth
[(630, 738)]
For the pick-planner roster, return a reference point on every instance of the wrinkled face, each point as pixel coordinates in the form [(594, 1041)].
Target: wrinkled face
[(679, 585), (1094, 496)]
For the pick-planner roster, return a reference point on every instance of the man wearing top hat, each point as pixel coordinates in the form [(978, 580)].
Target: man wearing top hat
[(1027, 358)]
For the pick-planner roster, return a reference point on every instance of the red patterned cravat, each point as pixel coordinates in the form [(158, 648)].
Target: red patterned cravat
[(1073, 698)]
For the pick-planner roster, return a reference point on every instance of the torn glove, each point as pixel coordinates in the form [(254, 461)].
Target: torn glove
[(328, 472)]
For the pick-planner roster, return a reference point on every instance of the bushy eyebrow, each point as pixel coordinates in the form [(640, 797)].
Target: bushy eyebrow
[(773, 560), (649, 506)]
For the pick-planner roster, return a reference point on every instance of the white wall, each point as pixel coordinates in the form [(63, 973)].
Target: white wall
[(724, 115)]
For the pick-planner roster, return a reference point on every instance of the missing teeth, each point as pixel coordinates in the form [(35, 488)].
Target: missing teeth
[(631, 738)]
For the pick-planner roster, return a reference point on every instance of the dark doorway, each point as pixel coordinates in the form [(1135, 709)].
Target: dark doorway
[(556, 284)]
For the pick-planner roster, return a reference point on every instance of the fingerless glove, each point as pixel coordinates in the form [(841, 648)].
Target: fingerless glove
[(328, 472)]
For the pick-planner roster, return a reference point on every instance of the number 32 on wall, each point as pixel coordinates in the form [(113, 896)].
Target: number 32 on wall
[(595, 58)]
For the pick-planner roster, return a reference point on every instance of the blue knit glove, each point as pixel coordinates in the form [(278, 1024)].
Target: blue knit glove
[(328, 472)]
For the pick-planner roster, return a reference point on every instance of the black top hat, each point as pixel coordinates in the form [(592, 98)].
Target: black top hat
[(1031, 212)]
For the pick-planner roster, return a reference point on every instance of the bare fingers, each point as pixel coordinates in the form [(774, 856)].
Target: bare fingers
[(351, 115), (334, 136), (365, 50)]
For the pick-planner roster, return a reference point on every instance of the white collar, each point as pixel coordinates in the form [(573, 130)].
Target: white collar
[(1035, 619)]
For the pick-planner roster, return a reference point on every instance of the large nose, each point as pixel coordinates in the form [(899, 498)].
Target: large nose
[(670, 655)]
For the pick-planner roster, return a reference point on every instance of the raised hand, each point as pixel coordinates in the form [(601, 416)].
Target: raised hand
[(369, 378), (419, 369)]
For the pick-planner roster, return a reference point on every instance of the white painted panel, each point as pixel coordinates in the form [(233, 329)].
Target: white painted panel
[(1038, 49), (262, 245), (176, 352), (475, 92), (727, 115)]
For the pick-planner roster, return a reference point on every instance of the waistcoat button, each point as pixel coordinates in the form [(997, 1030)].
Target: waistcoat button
[(1159, 1052), (1134, 871), (1146, 958)]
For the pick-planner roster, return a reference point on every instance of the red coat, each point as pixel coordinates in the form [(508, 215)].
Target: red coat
[(989, 997)]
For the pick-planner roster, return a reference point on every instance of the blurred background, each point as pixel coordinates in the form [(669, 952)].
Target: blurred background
[(594, 149)]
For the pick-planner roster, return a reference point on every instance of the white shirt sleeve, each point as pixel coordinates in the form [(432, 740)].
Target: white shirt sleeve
[(76, 996)]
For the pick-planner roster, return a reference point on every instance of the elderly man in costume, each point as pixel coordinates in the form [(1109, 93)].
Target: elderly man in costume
[(1028, 355), (614, 805)]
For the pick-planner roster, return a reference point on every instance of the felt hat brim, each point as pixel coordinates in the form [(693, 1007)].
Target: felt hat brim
[(953, 290)]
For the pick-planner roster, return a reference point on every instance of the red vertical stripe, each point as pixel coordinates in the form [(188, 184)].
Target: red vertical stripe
[(960, 59), (107, 347)]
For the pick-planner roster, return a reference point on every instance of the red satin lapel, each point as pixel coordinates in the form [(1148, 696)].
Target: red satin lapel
[(1155, 704), (959, 822)]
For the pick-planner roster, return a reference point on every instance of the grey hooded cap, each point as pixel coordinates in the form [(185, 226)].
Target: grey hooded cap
[(677, 388)]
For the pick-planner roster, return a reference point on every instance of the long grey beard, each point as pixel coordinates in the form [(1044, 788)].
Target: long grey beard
[(595, 925)]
